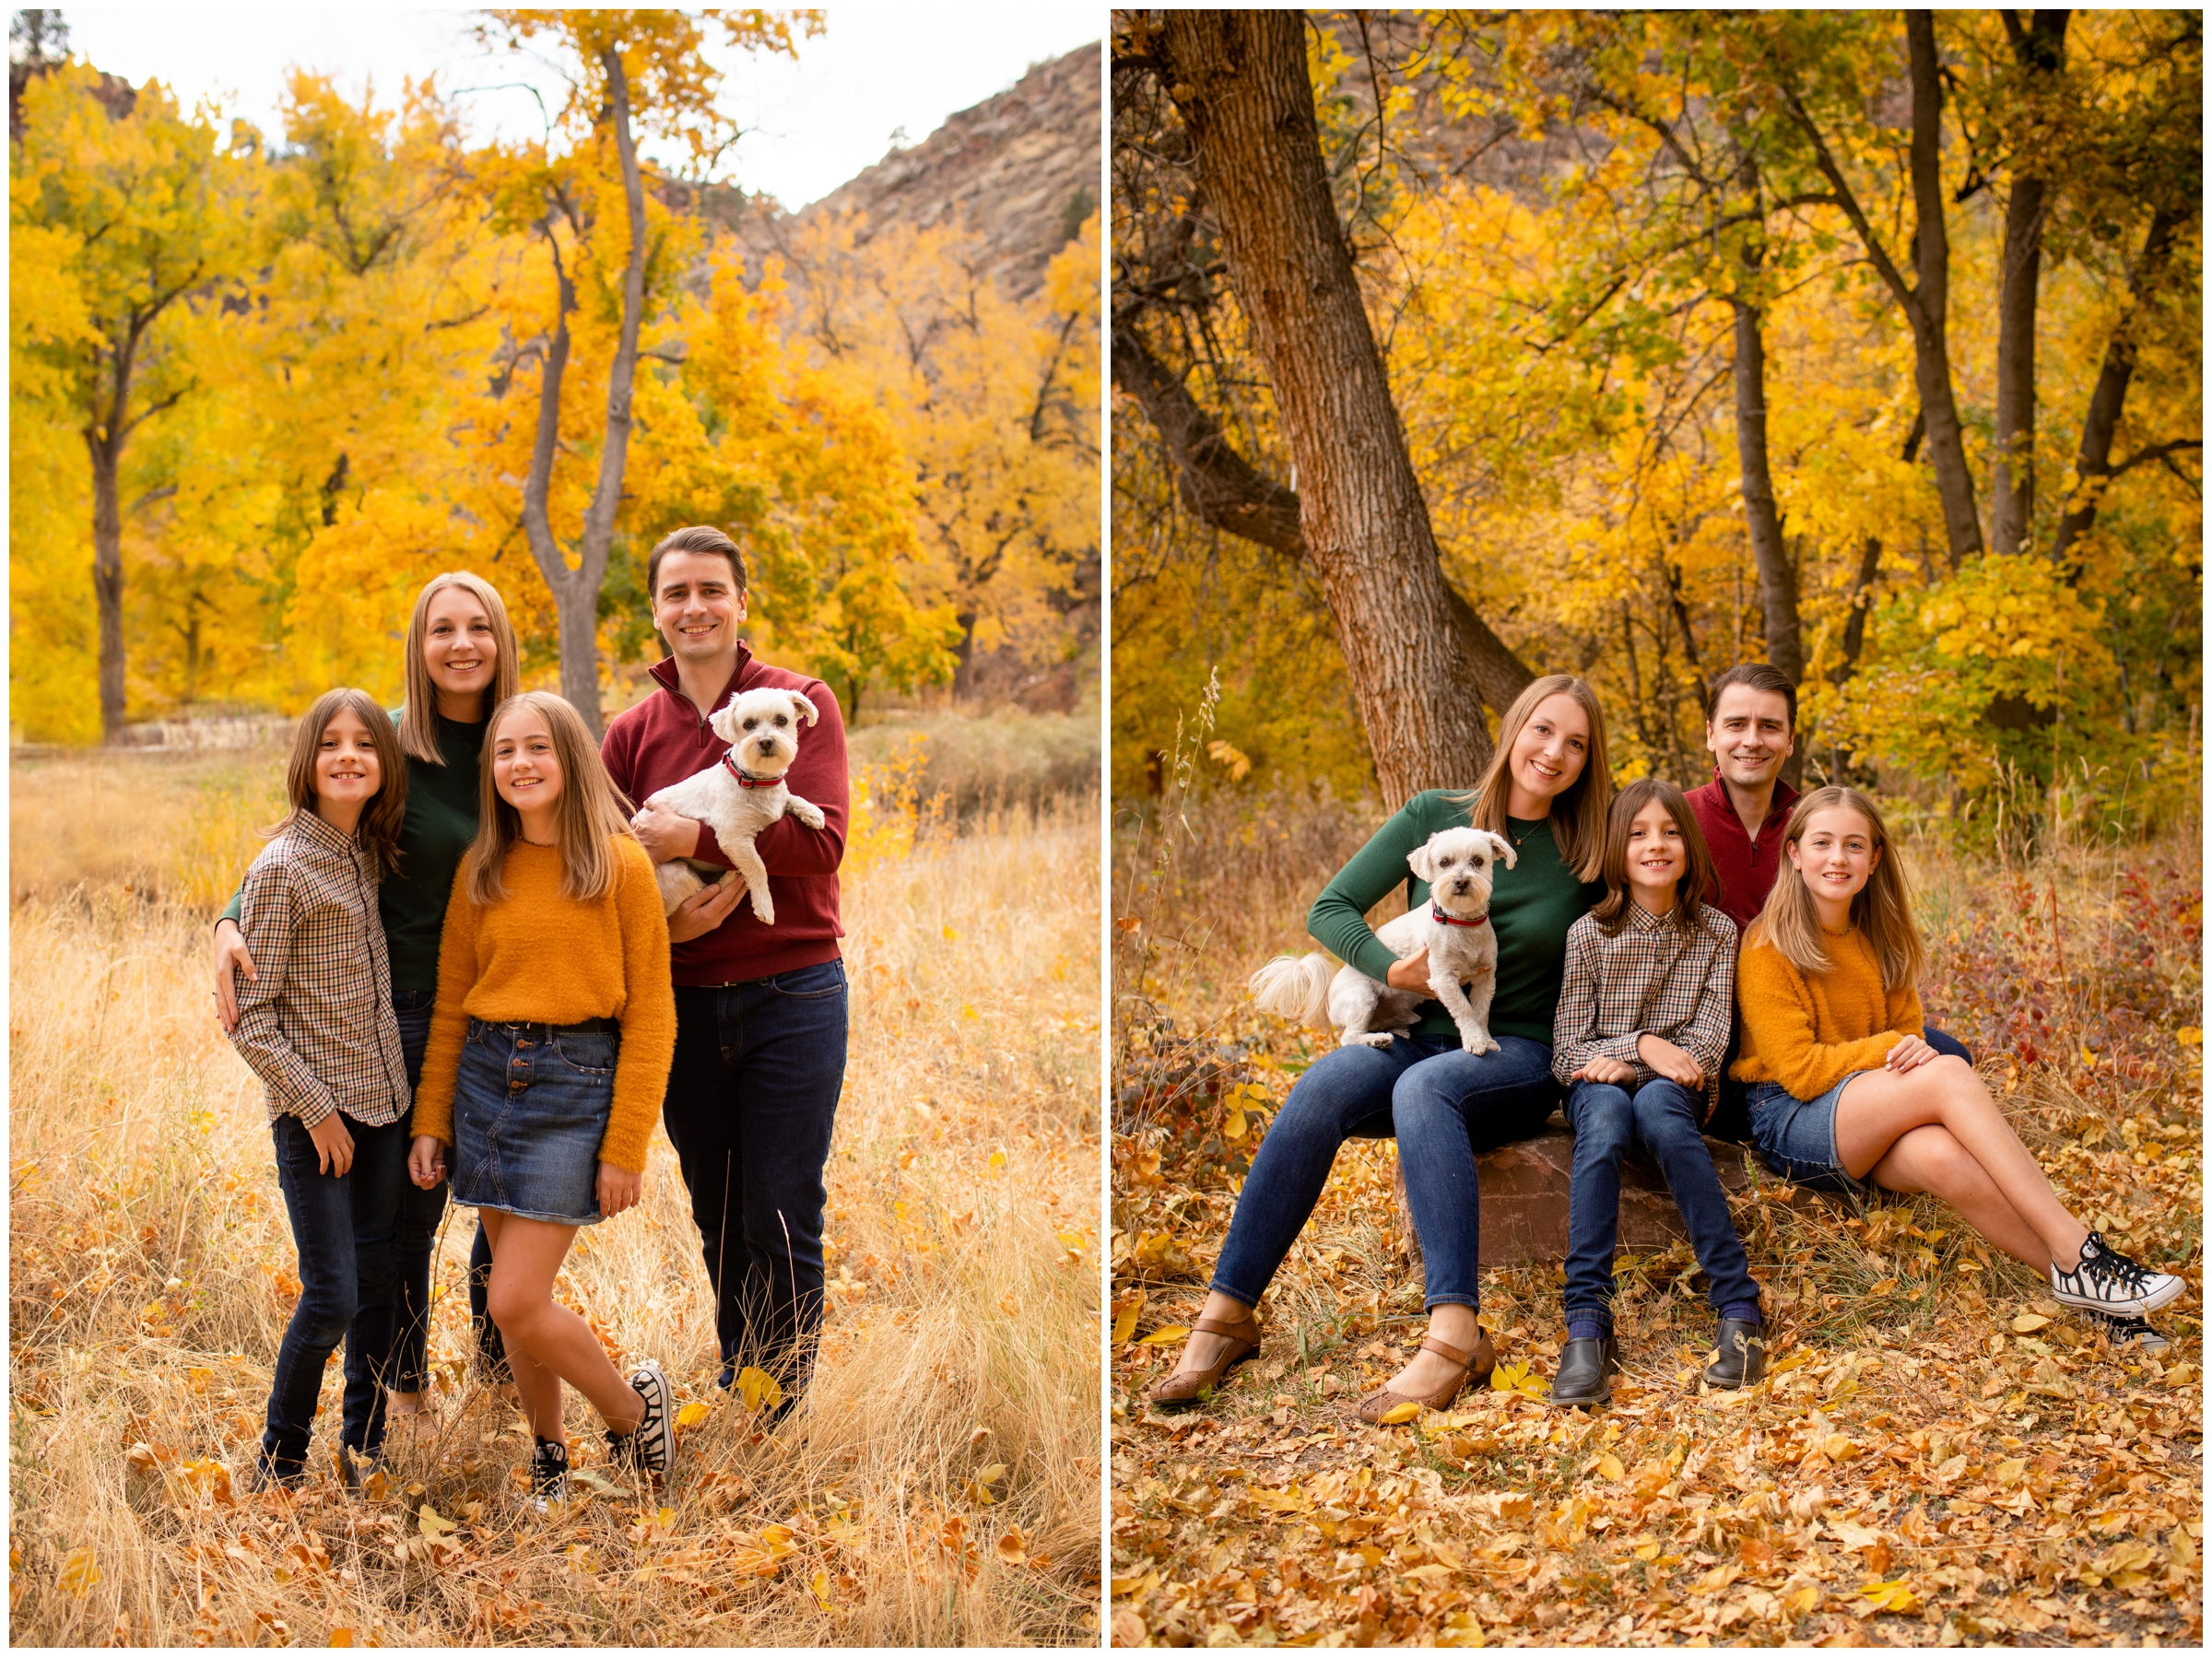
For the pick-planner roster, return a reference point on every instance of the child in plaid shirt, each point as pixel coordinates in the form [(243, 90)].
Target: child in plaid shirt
[(1638, 1041)]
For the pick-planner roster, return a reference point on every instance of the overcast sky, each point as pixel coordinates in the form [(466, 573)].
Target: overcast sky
[(812, 124)]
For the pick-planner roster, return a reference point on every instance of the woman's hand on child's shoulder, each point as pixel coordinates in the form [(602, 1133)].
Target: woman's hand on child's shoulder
[(230, 951), (618, 1189)]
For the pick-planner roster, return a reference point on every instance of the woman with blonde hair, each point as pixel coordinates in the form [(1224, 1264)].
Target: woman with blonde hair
[(1847, 1095), (550, 1050), (1546, 790), (462, 661)]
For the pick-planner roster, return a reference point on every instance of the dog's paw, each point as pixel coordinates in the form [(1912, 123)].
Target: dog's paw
[(1478, 1044), (809, 814), (1366, 1038)]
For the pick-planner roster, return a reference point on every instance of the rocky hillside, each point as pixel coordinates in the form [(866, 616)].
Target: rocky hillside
[(1018, 172)]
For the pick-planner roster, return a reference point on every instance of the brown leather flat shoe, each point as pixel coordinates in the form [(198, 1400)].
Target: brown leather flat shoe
[(1474, 1366), (1187, 1387)]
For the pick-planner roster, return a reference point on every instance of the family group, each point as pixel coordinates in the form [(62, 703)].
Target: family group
[(452, 971), (1667, 962)]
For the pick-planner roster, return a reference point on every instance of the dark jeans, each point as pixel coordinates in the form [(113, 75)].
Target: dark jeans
[(342, 1227), (420, 1215), (1732, 1117), (1664, 1115), (1441, 1105), (752, 1100)]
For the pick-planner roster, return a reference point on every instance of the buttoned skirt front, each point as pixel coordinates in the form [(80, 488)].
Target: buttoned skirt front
[(531, 1105)]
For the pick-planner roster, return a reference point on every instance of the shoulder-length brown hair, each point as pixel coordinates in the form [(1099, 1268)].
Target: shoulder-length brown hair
[(378, 829), (590, 812), (1697, 882), (1578, 812), (418, 718), (1882, 908)]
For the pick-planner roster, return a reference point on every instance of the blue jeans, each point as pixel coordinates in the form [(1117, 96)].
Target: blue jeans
[(1441, 1105), (1664, 1116), (420, 1215), (342, 1227), (752, 1101)]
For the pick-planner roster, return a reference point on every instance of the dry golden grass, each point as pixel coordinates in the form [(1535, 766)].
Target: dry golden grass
[(151, 1259)]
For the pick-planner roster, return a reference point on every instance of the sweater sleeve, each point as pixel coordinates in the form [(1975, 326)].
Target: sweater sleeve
[(820, 776), (1339, 918), (266, 919), (1706, 1037), (648, 1015), (1778, 1024), (457, 967), (234, 910)]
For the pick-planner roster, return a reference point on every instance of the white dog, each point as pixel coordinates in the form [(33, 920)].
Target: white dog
[(741, 793), (1453, 927)]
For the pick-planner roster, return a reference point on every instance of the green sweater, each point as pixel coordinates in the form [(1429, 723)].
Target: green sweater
[(1532, 905), (439, 824)]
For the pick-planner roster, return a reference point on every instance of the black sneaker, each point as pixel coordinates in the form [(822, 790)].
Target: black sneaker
[(1742, 1355), (548, 1473), (649, 1447), (2107, 1281), (2130, 1330)]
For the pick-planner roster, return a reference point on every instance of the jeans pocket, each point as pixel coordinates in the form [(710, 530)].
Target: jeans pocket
[(587, 1054), (810, 983)]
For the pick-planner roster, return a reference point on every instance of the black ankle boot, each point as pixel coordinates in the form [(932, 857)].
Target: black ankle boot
[(1742, 1358), (1586, 1368)]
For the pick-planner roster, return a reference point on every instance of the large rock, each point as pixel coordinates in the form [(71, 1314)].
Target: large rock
[(1525, 1188)]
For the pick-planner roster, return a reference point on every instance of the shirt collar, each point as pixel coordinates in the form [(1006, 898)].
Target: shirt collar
[(1784, 795), (663, 672), (313, 830)]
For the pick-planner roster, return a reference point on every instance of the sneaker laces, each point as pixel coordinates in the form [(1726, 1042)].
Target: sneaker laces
[(2116, 1267)]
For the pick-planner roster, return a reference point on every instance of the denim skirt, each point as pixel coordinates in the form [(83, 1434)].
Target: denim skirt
[(1796, 1137), (530, 1108)]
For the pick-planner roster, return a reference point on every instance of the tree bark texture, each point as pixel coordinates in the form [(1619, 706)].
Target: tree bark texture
[(2093, 466), (106, 577), (2039, 50), (1763, 517), (576, 591), (1240, 80)]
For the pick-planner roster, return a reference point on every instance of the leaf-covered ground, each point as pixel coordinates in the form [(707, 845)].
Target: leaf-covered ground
[(1940, 1457)]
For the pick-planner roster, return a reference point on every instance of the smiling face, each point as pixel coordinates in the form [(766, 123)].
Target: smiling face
[(1835, 855), (1749, 736), (698, 607), (461, 650), (1548, 752), (348, 771), (526, 768), (1657, 857)]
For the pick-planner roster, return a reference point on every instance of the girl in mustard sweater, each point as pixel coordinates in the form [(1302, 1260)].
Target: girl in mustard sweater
[(549, 1049), (1845, 1095)]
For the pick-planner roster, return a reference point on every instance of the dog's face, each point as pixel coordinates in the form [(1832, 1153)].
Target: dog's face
[(762, 729), (1459, 865)]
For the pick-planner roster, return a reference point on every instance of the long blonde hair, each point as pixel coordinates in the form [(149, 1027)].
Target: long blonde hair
[(1579, 830), (1882, 909), (418, 718), (592, 812)]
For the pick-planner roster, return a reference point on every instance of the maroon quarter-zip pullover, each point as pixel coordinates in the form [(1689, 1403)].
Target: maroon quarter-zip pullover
[(1745, 867), (665, 738)]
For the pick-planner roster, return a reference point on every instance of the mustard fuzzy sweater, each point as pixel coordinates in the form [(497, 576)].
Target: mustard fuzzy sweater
[(538, 956), (1810, 1030)]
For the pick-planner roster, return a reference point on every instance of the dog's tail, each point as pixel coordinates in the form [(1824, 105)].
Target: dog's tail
[(1296, 988)]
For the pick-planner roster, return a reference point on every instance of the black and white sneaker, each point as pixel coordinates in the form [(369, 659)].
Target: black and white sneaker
[(2132, 1332), (651, 1445), (548, 1473), (2107, 1281)]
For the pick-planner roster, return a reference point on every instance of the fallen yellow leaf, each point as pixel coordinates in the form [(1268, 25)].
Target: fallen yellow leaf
[(819, 1585), (1124, 1317), (431, 1524), (341, 1637), (1608, 1466), (1400, 1412), (1232, 1126), (691, 1414), (758, 1388), (1891, 1596), (1162, 1337), (79, 1571), (2028, 1323)]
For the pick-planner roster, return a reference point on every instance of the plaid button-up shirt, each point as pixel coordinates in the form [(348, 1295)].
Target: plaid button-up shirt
[(1651, 977), (317, 1024)]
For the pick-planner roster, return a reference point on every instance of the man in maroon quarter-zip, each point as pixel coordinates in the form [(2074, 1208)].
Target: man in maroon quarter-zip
[(761, 1010)]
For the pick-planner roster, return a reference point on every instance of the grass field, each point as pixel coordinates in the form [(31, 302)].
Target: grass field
[(940, 1487), (1941, 1458)]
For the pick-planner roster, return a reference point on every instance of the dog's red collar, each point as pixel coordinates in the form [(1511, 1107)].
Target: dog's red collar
[(1437, 914), (745, 779)]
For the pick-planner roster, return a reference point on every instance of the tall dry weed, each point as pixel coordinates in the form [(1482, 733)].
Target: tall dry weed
[(940, 1486)]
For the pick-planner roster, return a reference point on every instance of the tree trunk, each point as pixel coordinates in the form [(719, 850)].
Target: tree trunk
[(576, 592), (1930, 312), (107, 576), (2039, 51), (2094, 460), (1240, 80), (1763, 518)]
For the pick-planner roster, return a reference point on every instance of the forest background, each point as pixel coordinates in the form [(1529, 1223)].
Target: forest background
[(265, 384), (1587, 247)]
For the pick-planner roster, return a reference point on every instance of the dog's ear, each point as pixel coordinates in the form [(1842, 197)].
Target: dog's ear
[(803, 705), (1422, 864), (1505, 849), (722, 721)]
